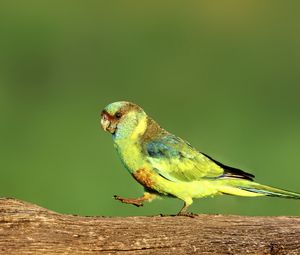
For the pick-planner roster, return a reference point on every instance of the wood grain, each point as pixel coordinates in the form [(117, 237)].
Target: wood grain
[(29, 229)]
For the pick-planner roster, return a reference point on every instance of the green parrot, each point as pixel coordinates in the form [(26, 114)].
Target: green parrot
[(167, 165)]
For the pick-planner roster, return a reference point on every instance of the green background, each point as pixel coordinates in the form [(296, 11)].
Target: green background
[(223, 75)]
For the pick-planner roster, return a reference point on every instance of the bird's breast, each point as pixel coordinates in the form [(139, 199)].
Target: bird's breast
[(131, 155)]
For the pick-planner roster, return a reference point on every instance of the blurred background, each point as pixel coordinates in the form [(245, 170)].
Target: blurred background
[(223, 75)]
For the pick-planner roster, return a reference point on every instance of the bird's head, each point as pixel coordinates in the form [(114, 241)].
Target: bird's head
[(121, 117)]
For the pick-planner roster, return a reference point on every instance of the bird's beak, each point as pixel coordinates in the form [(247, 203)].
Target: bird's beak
[(107, 124)]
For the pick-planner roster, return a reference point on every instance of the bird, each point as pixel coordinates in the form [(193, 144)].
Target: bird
[(167, 165)]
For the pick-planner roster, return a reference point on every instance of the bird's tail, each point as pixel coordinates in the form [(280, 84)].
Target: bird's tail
[(253, 189)]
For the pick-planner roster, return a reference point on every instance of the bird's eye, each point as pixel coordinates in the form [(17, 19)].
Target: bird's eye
[(118, 115)]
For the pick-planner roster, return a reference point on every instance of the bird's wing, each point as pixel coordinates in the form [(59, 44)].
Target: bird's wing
[(176, 160)]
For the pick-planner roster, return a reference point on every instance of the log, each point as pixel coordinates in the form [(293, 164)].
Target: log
[(29, 229)]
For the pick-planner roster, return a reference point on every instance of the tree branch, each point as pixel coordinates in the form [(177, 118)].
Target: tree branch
[(29, 229)]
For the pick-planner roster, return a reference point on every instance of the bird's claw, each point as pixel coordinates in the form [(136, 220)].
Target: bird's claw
[(135, 202), (187, 214)]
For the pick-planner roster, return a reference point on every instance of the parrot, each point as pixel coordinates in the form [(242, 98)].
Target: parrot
[(168, 166)]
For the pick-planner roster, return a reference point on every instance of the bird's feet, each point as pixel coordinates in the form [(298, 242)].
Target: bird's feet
[(137, 202), (187, 214)]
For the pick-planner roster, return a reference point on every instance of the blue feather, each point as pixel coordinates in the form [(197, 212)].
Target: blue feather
[(162, 148)]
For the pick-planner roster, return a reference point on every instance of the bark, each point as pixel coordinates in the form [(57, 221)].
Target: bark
[(29, 229)]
